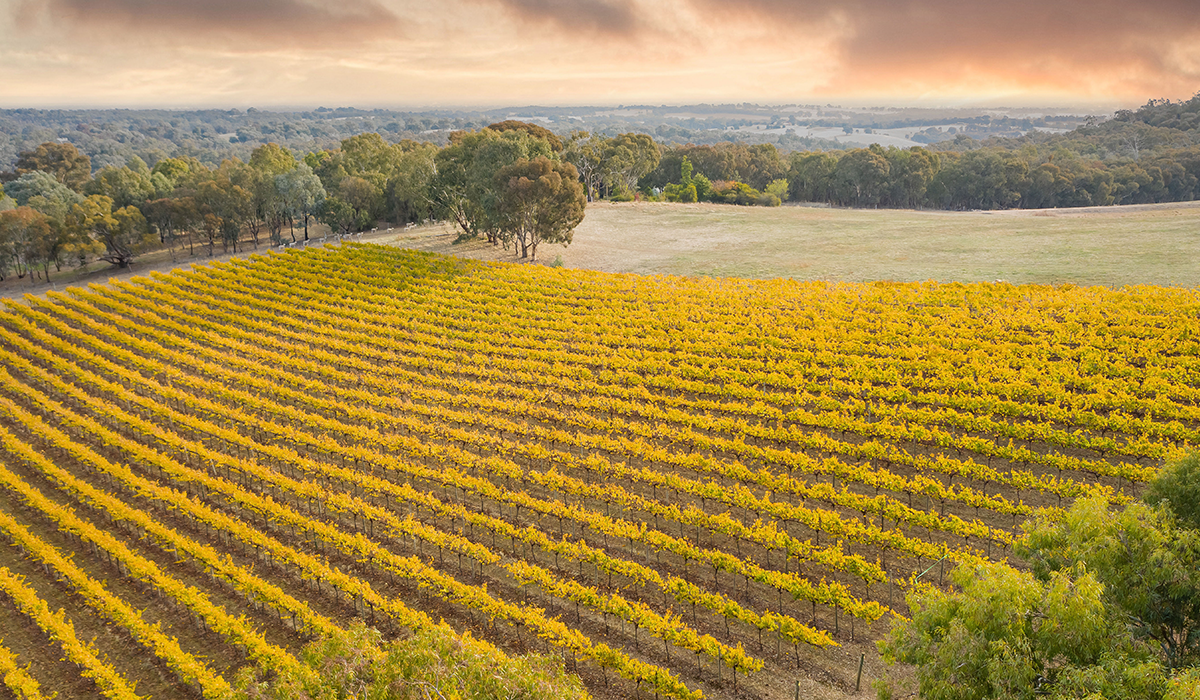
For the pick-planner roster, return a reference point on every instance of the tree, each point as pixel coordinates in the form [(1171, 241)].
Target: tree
[(362, 196), (173, 218), (630, 157), (1178, 488), (910, 171), (762, 166), (450, 186), (408, 188), (302, 194), (586, 153), (123, 233), (464, 188), (982, 179), (810, 177), (534, 130), (777, 189), (175, 170), (272, 159), (685, 190), (259, 188), (38, 183), (540, 200), (1007, 634), (62, 161), (366, 153), (1147, 560), (338, 215), (230, 204), (1110, 608), (29, 239), (273, 209), (125, 186), (861, 177)]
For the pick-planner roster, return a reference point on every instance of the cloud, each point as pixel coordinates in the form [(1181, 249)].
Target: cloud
[(606, 17), (269, 22), (1110, 52), (1054, 44)]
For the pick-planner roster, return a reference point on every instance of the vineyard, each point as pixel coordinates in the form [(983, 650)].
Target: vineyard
[(682, 487)]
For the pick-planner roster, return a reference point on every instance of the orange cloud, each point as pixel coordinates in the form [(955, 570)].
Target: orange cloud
[(607, 17), (307, 52), (267, 21), (988, 46)]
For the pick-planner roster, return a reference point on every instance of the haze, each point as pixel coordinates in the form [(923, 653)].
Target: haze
[(304, 53)]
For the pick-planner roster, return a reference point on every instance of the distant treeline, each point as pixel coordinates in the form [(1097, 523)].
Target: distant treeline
[(1143, 156)]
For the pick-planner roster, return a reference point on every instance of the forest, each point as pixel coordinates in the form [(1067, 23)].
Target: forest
[(102, 194)]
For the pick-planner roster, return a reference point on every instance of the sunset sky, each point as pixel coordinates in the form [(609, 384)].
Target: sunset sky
[(410, 53)]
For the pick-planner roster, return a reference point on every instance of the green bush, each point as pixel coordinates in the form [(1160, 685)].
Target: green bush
[(680, 193), (1178, 485), (735, 193), (431, 663)]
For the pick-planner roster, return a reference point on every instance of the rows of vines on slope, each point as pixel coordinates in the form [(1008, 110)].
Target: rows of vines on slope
[(842, 339), (896, 511), (410, 382), (60, 629), (16, 678), (343, 503), (795, 586), (359, 546), (1058, 462)]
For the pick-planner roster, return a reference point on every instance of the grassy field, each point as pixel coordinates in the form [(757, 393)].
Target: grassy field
[(678, 485), (1111, 246)]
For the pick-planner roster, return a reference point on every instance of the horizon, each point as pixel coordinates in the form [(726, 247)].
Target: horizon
[(866, 106), (472, 54)]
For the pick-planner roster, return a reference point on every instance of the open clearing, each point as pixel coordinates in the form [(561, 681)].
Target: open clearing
[(1111, 246)]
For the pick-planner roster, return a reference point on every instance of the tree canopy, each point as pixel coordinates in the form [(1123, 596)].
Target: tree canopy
[(540, 200), (534, 130), (62, 161), (1110, 607)]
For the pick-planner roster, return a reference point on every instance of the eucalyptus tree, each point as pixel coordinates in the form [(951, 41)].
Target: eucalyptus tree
[(465, 188), (629, 158), (301, 193), (408, 187), (123, 233), (540, 200), (62, 161), (586, 152)]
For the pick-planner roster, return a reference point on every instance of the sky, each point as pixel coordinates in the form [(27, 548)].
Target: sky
[(477, 53)]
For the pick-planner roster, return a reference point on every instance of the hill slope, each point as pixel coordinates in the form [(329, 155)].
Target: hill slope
[(680, 485)]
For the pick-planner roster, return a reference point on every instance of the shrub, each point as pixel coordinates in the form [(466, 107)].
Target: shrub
[(431, 663), (1178, 484)]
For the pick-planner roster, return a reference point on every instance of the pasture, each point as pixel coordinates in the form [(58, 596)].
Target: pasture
[(1112, 246)]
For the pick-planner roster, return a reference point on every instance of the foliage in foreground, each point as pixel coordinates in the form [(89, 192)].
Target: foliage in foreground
[(1110, 608), (433, 663)]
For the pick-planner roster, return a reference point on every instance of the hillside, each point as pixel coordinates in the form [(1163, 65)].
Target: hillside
[(679, 485)]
